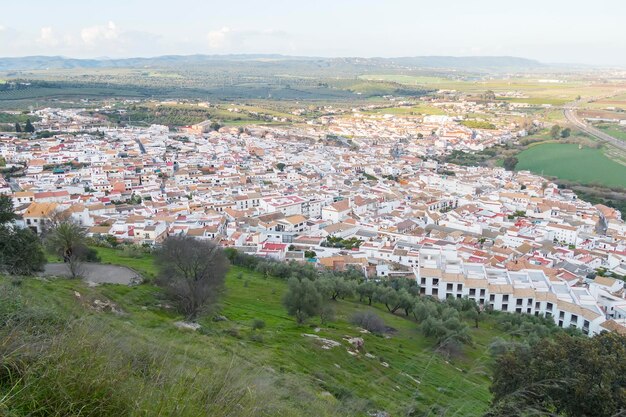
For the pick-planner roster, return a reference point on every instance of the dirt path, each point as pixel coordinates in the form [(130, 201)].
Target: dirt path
[(98, 273)]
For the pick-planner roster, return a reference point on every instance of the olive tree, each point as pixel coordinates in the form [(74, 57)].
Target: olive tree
[(302, 299), (192, 273)]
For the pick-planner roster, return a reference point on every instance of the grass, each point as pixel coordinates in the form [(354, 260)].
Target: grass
[(143, 264), (568, 162), (617, 131), (300, 377)]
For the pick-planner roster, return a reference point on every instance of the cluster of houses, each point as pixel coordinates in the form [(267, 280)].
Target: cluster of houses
[(512, 241)]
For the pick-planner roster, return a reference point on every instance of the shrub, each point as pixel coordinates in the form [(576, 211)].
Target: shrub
[(258, 324), (369, 321)]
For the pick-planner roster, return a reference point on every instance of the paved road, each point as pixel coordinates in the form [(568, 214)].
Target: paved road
[(98, 273), (572, 116)]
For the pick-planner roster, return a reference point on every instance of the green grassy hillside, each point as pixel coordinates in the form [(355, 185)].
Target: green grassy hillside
[(275, 370)]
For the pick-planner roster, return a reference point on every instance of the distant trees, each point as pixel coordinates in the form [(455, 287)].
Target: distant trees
[(509, 163), (565, 376), (302, 299), (281, 166), (20, 249), (565, 133), (555, 131), (29, 128), (18, 128), (192, 273)]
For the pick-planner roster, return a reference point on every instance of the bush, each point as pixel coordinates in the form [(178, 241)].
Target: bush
[(256, 337), (258, 324), (369, 321)]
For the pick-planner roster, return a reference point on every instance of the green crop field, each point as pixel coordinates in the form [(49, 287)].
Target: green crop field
[(408, 111), (568, 162)]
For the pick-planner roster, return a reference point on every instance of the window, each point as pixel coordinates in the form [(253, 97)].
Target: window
[(562, 315), (574, 318), (450, 287), (492, 297), (435, 281), (505, 307), (482, 292), (423, 281), (505, 297), (518, 310), (519, 301), (529, 302), (472, 291), (549, 306), (459, 287), (537, 305)]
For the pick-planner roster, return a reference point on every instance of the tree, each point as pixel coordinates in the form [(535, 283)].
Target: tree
[(66, 239), (18, 128), (302, 299), (367, 290), (555, 131), (20, 249), (281, 166), (509, 163), (565, 133), (565, 376), (192, 273), (335, 287), (389, 297), (29, 128)]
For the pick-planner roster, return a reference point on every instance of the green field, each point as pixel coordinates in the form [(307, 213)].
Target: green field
[(566, 161), (617, 131), (404, 373)]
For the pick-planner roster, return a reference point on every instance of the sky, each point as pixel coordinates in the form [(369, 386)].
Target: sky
[(552, 31)]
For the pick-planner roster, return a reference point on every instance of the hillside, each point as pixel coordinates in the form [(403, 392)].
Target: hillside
[(227, 362), (282, 61)]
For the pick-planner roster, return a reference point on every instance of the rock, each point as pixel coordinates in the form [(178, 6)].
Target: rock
[(187, 325), (385, 364), (105, 306), (219, 318), (351, 352), (356, 342), (326, 343), (77, 294), (370, 356)]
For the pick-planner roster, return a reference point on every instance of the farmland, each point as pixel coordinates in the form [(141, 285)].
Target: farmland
[(568, 162)]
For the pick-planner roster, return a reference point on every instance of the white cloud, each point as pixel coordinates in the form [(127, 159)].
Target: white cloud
[(47, 37), (218, 38), (93, 35)]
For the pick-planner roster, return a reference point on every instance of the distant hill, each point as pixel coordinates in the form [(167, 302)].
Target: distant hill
[(465, 63)]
